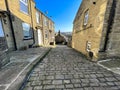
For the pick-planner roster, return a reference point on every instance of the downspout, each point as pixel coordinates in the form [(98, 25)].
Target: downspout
[(43, 29), (11, 25), (110, 23), (32, 24)]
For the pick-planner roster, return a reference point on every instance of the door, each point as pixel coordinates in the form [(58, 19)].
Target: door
[(39, 37)]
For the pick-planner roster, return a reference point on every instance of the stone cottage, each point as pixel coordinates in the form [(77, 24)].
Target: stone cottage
[(96, 30), (23, 26)]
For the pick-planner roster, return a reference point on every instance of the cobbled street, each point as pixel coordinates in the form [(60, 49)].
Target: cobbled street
[(65, 69)]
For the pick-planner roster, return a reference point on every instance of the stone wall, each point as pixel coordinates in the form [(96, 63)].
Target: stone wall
[(2, 5), (4, 59), (111, 31), (8, 34), (19, 36), (82, 34)]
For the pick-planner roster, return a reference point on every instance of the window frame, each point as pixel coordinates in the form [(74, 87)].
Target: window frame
[(46, 34), (86, 17), (25, 2), (30, 36), (37, 17), (2, 32), (45, 21)]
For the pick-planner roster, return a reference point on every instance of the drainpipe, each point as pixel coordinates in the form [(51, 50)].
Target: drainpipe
[(43, 32), (11, 25), (110, 23), (32, 24)]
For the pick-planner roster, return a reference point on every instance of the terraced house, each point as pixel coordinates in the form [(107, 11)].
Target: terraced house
[(23, 26), (96, 30)]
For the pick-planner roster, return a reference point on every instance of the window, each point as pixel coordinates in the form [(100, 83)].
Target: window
[(45, 21), (27, 31), (24, 6), (46, 34), (37, 17), (86, 17), (1, 29)]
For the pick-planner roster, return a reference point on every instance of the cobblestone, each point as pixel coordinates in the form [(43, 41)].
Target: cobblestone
[(65, 69)]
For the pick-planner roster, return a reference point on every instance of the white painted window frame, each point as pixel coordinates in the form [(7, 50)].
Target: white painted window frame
[(2, 31), (25, 2), (86, 17), (30, 34), (37, 17)]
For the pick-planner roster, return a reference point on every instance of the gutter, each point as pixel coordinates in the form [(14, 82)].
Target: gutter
[(11, 25)]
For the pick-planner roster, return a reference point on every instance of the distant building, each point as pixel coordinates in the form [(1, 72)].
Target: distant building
[(96, 30), (64, 38), (60, 39), (69, 38), (23, 26)]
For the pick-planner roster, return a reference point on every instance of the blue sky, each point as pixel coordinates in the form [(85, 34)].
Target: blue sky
[(62, 11)]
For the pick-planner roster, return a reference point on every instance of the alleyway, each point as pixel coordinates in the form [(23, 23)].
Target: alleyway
[(66, 69)]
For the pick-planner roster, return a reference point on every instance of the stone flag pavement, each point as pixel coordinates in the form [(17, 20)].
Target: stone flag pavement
[(13, 74), (65, 69)]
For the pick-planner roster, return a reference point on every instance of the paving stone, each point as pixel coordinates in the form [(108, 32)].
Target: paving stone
[(76, 81), (100, 88), (41, 77), (66, 81), (85, 84), (68, 76), (94, 84), (93, 80), (99, 75), (103, 84), (102, 79), (38, 87), (93, 76), (47, 82), (52, 87), (77, 85), (88, 88), (72, 72), (117, 83), (57, 82), (36, 83), (110, 83), (76, 76), (28, 84), (69, 85), (50, 77), (78, 89), (110, 79), (59, 77), (85, 80), (26, 88), (59, 86)]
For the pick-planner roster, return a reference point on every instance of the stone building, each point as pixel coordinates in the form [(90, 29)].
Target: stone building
[(96, 30), (3, 43), (22, 26), (61, 39)]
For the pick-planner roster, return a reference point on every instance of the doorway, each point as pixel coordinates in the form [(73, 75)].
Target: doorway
[(40, 42)]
